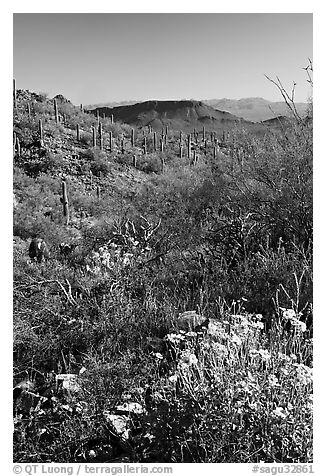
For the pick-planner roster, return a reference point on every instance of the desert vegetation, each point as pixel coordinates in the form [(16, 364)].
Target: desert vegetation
[(172, 319)]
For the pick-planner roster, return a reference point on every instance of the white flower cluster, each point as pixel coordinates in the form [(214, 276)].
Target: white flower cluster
[(293, 317), (263, 353)]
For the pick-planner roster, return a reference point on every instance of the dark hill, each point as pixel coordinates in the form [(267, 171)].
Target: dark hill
[(178, 115), (279, 122)]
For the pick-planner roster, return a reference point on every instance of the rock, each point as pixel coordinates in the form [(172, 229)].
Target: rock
[(120, 423), (68, 382), (131, 407), (191, 321)]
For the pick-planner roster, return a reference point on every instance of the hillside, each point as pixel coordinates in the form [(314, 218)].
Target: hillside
[(177, 115), (254, 109), (162, 287)]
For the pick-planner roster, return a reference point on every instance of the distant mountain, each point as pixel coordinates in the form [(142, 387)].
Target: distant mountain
[(254, 109), (177, 115), (110, 104)]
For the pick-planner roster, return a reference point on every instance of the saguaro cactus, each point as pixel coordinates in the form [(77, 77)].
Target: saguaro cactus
[(145, 146), (122, 144), (56, 111), (214, 153), (180, 151), (154, 141), (112, 119), (40, 128), (78, 132), (18, 147), (15, 95), (65, 201), (194, 160), (29, 110), (189, 146), (81, 108), (132, 137), (204, 133), (94, 136), (100, 136), (110, 141), (134, 161), (162, 145), (98, 192)]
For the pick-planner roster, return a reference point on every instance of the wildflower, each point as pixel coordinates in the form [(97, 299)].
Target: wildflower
[(191, 334), (304, 373), (284, 371), (279, 412), (216, 329), (188, 358), (258, 325), (158, 356), (174, 338), (235, 339), (92, 454), (219, 349), (265, 355), (288, 313), (273, 381), (173, 378)]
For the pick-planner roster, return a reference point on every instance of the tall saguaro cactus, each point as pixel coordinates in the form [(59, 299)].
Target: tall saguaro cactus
[(29, 110), (56, 111), (78, 132), (145, 146), (194, 157), (189, 146), (180, 151), (40, 129), (94, 136), (110, 141), (154, 141), (112, 119), (204, 134), (132, 137), (100, 136), (18, 147), (65, 202)]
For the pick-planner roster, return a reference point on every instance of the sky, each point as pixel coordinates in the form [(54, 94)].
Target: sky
[(94, 58)]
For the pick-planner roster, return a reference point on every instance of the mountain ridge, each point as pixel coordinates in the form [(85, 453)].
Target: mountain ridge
[(254, 109), (183, 115)]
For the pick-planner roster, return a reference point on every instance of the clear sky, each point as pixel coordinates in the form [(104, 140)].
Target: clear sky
[(96, 58)]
